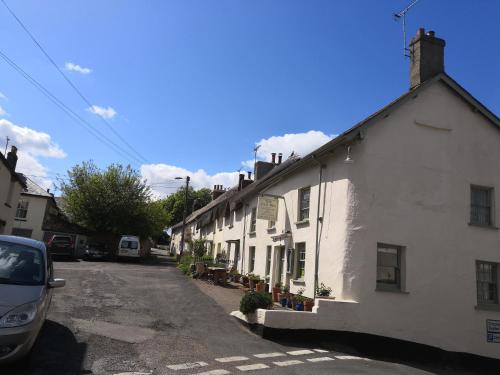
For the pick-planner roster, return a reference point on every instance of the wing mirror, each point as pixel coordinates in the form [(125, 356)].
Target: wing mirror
[(57, 283)]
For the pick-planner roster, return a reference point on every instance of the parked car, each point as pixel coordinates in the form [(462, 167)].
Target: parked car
[(97, 250), (62, 245), (130, 247), (26, 287)]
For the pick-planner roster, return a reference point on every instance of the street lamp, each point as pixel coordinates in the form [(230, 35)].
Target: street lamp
[(187, 178)]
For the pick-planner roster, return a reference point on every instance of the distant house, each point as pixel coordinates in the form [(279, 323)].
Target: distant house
[(39, 216), (11, 185)]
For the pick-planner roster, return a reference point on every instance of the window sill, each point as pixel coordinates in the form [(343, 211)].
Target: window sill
[(391, 290), (251, 234), (483, 226), (300, 281), (272, 229), (19, 219), (485, 307), (301, 223)]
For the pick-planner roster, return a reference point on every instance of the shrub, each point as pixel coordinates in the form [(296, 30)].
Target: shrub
[(252, 301), (323, 291)]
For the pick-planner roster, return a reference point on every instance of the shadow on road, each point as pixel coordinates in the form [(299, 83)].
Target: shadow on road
[(56, 352)]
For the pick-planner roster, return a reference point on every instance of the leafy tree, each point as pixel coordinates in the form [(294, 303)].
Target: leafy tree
[(114, 200), (174, 204), (199, 247)]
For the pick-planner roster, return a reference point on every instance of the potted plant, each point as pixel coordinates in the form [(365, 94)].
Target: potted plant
[(323, 291), (299, 302), (276, 291), (308, 304), (244, 280), (284, 295)]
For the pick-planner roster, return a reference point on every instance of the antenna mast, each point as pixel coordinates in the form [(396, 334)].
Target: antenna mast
[(402, 15), (6, 145)]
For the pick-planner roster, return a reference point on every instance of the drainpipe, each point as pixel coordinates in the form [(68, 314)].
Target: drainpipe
[(318, 219), (244, 236)]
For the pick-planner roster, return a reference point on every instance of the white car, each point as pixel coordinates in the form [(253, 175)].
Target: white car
[(130, 247)]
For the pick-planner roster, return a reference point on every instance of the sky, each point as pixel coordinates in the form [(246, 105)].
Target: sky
[(189, 87)]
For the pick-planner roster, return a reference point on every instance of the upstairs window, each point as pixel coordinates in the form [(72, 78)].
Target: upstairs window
[(487, 283), (22, 209), (253, 220), (304, 195), (481, 206), (301, 260)]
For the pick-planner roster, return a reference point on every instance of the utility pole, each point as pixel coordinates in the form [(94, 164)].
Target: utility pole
[(185, 214), (6, 145)]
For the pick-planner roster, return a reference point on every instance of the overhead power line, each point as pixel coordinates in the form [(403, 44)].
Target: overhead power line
[(66, 78), (73, 115)]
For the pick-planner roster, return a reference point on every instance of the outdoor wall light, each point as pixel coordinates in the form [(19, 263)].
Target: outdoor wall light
[(348, 159)]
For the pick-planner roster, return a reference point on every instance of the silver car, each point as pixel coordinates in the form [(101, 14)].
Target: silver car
[(26, 283)]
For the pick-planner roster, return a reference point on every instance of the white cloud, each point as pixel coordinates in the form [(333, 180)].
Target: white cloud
[(76, 68), (299, 143), (3, 112), (161, 176), (105, 113), (2, 96), (31, 145)]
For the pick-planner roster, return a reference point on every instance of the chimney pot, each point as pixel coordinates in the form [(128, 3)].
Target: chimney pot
[(273, 157), (280, 157), (431, 33), (249, 175)]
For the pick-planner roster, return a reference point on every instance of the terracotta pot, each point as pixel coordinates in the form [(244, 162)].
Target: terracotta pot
[(276, 293), (308, 304), (260, 287)]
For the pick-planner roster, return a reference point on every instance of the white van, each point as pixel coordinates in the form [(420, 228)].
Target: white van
[(130, 246)]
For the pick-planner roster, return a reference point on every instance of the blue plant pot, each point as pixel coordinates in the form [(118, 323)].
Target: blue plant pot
[(284, 302), (299, 307)]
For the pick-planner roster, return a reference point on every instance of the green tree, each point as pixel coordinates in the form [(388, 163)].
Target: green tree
[(174, 204), (115, 200)]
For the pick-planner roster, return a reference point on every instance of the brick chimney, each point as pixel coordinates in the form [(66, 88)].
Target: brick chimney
[(427, 57), (217, 192), (12, 158)]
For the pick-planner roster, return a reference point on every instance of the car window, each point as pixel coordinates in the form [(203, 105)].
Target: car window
[(20, 264), (129, 245)]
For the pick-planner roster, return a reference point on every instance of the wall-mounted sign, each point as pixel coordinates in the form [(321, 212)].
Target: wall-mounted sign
[(267, 208), (493, 331)]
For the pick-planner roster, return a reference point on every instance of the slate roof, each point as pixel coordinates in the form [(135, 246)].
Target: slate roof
[(33, 189)]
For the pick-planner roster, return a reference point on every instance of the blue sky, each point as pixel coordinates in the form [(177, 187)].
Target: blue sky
[(195, 84)]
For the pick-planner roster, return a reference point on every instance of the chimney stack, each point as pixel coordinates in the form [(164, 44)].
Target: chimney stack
[(427, 57), (273, 157), (249, 175), (240, 181), (280, 157), (217, 192), (12, 158)]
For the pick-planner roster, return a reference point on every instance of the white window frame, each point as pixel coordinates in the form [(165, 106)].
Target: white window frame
[(400, 269), (253, 220), (251, 259), (300, 208), (22, 207), (477, 218), (495, 281)]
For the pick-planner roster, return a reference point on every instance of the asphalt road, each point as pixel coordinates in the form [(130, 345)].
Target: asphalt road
[(115, 318)]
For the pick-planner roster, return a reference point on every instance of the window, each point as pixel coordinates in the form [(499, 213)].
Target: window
[(301, 260), (219, 251), (22, 209), (389, 267), (304, 195), (253, 220), (487, 283), (251, 263), (268, 260), (481, 205)]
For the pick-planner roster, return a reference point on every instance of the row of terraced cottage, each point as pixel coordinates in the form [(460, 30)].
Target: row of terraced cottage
[(397, 215)]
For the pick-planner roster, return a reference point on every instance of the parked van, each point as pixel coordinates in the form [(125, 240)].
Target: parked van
[(130, 246)]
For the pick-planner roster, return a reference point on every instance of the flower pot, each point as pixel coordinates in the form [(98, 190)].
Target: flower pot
[(284, 302), (260, 287), (308, 304), (299, 306), (276, 296)]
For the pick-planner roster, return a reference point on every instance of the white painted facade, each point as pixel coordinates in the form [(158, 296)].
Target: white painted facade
[(10, 190), (33, 222)]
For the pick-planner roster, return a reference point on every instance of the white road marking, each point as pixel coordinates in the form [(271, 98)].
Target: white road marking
[(351, 357), (270, 355), (214, 372), (288, 363), (232, 359), (320, 359), (185, 366), (300, 352), (257, 366), (320, 351)]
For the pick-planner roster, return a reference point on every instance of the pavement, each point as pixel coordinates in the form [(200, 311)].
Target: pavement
[(149, 319)]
